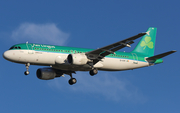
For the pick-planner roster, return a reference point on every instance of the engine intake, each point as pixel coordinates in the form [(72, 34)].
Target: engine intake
[(77, 59)]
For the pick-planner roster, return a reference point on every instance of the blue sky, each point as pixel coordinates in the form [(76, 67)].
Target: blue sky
[(90, 24)]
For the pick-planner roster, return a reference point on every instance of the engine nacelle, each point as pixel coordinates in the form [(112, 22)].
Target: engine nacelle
[(45, 73), (61, 59), (77, 59)]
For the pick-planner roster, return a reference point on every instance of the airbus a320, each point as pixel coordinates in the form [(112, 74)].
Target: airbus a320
[(62, 60)]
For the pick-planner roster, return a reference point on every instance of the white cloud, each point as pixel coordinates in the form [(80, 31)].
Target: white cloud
[(40, 33), (105, 85)]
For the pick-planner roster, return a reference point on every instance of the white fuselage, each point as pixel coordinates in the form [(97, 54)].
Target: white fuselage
[(59, 61)]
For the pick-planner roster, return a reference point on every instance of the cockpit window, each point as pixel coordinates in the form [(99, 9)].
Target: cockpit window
[(11, 47), (15, 47)]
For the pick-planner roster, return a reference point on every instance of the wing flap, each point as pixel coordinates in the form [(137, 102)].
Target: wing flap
[(100, 53), (114, 45)]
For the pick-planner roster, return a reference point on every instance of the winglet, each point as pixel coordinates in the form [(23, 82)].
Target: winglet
[(147, 32)]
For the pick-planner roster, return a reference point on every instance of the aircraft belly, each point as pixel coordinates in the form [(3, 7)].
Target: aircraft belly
[(46, 58), (115, 64), (108, 64), (72, 67)]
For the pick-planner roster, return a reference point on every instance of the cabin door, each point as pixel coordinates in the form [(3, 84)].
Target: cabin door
[(30, 48), (135, 57)]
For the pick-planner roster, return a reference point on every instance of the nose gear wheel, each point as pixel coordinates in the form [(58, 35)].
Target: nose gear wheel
[(27, 69)]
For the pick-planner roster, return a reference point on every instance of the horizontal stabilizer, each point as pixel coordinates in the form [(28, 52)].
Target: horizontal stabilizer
[(160, 55)]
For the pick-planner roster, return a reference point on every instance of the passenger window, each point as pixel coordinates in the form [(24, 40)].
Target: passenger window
[(19, 47)]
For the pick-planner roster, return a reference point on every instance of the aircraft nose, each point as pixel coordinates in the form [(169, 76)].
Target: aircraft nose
[(6, 55)]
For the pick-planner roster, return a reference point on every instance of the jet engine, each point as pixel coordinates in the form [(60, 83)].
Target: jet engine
[(77, 59), (47, 73), (62, 59)]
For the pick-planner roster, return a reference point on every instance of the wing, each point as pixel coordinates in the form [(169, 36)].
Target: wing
[(98, 54)]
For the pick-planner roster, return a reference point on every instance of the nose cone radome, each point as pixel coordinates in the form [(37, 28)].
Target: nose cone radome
[(7, 55)]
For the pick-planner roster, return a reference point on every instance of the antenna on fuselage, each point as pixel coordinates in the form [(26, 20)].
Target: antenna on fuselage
[(27, 42)]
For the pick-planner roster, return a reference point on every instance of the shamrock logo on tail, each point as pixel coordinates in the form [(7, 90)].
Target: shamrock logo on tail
[(147, 43)]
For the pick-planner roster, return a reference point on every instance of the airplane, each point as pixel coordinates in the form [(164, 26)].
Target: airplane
[(67, 60)]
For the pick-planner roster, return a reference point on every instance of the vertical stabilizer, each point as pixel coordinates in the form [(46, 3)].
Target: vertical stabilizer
[(147, 43)]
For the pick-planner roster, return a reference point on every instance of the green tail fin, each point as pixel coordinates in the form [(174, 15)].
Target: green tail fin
[(147, 43)]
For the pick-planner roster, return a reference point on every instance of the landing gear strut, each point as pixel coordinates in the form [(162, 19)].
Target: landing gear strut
[(27, 68), (93, 72), (72, 80)]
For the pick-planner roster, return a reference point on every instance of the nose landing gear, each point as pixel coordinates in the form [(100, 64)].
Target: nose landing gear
[(27, 69)]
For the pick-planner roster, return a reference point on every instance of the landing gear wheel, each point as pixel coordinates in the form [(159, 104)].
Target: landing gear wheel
[(26, 72), (27, 68), (93, 72), (72, 81)]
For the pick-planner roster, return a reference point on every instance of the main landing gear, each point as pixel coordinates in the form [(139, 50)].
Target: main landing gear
[(93, 72), (72, 80), (27, 69)]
